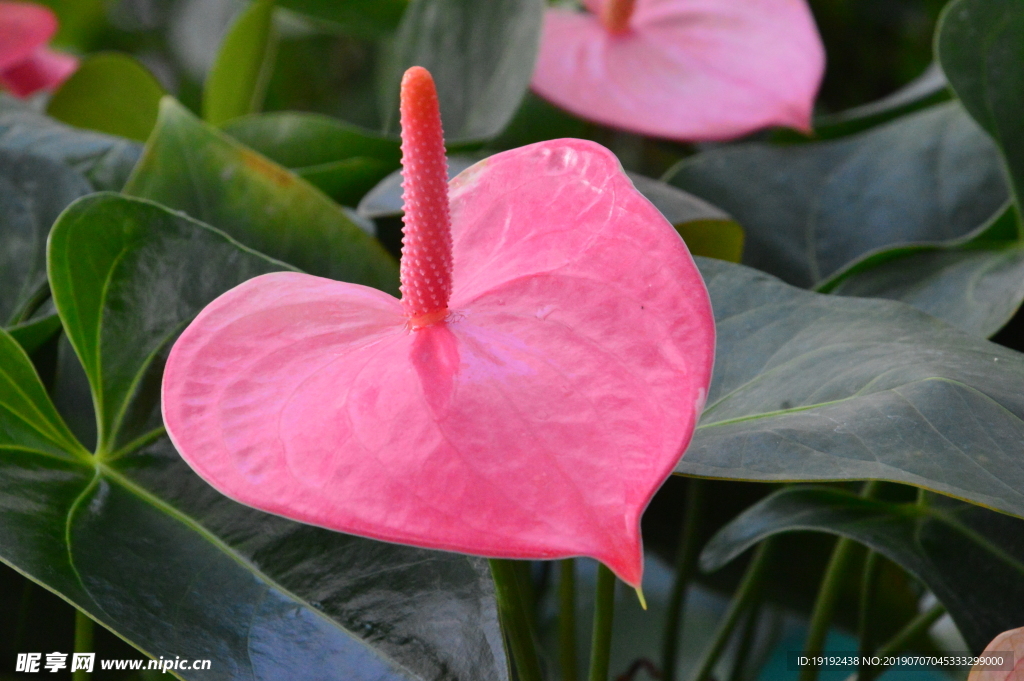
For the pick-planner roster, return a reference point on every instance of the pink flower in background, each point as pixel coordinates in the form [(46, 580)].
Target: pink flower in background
[(537, 382), (683, 69), (27, 65)]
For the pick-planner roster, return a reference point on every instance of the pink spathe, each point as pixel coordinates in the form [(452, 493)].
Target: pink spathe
[(684, 69), (535, 419), (26, 64)]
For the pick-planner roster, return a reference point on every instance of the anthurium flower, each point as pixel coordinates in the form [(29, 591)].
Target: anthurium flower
[(26, 64), (683, 69), (1008, 646), (534, 386)]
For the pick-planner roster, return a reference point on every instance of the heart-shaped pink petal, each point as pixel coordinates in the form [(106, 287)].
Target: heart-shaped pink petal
[(23, 28), (536, 421), (44, 69), (685, 69)]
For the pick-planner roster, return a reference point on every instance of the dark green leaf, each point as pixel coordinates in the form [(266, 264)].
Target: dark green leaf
[(706, 229), (144, 546), (104, 160), (927, 89), (238, 78), (190, 166), (975, 283), (970, 558), (34, 332), (111, 93), (980, 44), (814, 387), (481, 55), (342, 160), (385, 200), (35, 190), (362, 18), (810, 209), (297, 140)]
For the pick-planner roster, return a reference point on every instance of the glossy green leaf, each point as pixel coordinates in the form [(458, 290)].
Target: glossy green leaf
[(144, 546), (296, 139), (706, 229), (970, 558), (481, 55), (975, 283), (238, 78), (343, 160), (808, 210), (980, 44), (111, 93), (32, 333), (190, 166), (814, 387), (35, 190), (361, 18), (104, 160)]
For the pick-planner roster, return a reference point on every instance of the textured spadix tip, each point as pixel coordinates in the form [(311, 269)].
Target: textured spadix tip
[(615, 15), (426, 268)]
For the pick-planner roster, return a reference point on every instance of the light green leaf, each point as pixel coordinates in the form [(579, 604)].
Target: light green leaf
[(190, 166), (238, 78), (110, 93)]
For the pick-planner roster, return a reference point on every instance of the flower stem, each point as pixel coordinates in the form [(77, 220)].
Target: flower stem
[(83, 641), (604, 613), (686, 565), (865, 624), (824, 606), (515, 619), (747, 593), (899, 642), (567, 618)]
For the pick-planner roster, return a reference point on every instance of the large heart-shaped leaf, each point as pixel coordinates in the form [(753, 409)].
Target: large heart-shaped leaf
[(35, 190), (975, 283), (814, 387), (134, 538), (104, 160), (810, 209), (481, 55), (980, 44), (971, 559), (190, 166)]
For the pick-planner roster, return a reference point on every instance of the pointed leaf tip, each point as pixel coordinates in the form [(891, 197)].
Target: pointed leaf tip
[(426, 268)]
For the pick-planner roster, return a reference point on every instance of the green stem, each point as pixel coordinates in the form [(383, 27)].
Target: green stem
[(24, 607), (902, 639), (746, 642), (746, 593), (604, 613), (686, 565), (828, 595), (83, 641), (567, 618), (865, 623), (515, 619)]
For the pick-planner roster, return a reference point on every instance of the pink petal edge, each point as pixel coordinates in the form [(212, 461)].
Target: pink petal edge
[(44, 69), (536, 422), (688, 69)]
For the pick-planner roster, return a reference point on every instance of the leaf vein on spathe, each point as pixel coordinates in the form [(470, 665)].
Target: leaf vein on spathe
[(148, 497)]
